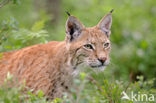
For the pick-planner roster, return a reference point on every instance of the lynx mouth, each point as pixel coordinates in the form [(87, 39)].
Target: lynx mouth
[(97, 66)]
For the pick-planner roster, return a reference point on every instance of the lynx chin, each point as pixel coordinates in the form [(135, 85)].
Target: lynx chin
[(49, 67)]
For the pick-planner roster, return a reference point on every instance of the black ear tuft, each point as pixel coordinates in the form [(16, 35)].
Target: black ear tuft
[(67, 13), (112, 11)]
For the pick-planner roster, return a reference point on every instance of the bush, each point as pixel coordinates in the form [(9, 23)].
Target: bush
[(87, 90), (12, 37)]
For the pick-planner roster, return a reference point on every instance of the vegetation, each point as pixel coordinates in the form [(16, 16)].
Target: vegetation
[(132, 69)]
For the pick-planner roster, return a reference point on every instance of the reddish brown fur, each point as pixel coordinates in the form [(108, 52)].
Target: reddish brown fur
[(34, 64), (48, 67)]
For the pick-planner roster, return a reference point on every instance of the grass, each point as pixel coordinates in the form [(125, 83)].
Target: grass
[(86, 89)]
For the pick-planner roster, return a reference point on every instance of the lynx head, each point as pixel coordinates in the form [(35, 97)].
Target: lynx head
[(89, 45)]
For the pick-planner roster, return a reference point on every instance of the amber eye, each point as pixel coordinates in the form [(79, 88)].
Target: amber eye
[(106, 45), (88, 46)]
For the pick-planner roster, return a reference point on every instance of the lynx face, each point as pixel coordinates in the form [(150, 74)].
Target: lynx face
[(90, 45)]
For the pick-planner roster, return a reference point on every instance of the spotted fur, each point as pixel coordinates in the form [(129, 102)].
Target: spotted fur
[(49, 67)]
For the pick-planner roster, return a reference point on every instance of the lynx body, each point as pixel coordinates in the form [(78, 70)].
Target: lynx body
[(49, 67)]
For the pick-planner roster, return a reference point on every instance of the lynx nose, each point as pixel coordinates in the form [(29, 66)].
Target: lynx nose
[(102, 59)]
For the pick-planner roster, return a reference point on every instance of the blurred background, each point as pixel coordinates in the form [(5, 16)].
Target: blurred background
[(28, 22)]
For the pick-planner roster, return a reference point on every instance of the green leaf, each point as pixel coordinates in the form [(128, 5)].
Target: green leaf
[(144, 44), (1, 55), (40, 94), (82, 75), (38, 25)]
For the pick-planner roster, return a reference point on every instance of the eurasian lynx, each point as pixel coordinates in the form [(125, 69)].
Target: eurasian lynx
[(49, 67)]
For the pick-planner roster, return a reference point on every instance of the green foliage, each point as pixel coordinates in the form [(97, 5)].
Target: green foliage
[(133, 46), (10, 94), (86, 90), (12, 37), (91, 91)]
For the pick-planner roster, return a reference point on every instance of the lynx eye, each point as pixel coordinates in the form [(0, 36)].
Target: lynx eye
[(88, 46), (106, 45)]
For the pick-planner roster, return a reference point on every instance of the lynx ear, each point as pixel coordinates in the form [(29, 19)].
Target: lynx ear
[(73, 28), (105, 24)]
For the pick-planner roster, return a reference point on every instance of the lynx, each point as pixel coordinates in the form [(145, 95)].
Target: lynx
[(49, 67)]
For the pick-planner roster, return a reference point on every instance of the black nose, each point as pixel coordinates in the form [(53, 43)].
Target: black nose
[(102, 59)]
